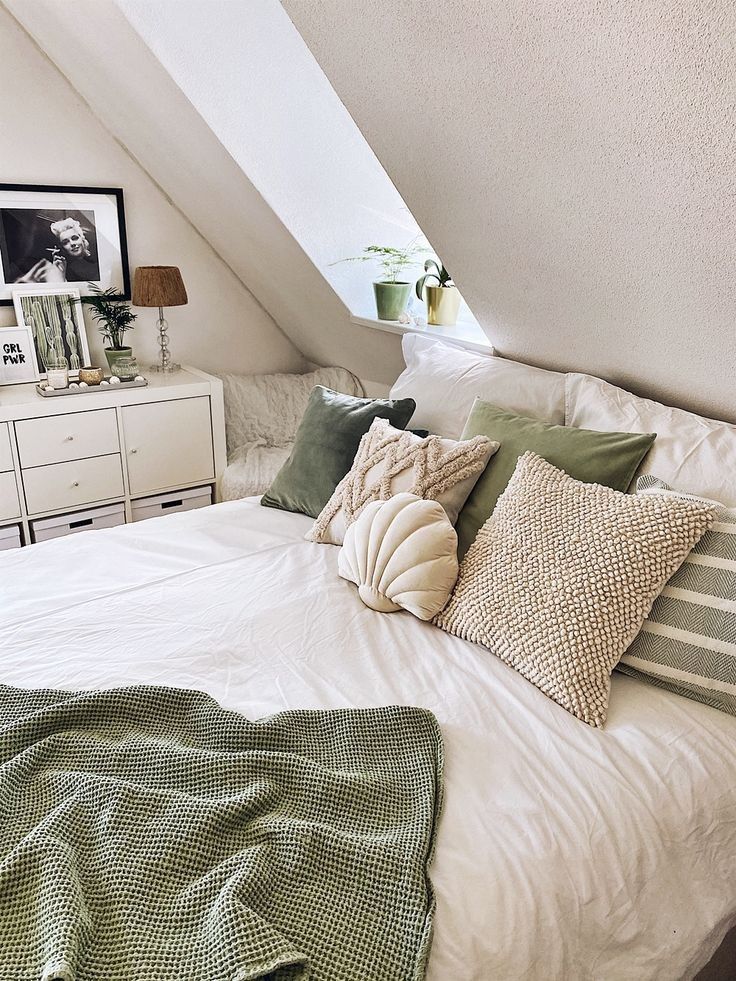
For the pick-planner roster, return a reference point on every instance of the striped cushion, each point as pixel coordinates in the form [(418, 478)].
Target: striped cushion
[(688, 642)]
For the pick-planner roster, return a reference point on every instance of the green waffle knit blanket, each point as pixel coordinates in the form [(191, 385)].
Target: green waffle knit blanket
[(147, 834)]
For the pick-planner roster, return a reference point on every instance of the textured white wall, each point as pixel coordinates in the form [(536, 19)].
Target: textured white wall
[(575, 165), (49, 136)]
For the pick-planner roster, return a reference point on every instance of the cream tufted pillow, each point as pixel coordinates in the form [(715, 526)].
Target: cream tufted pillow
[(401, 554), (561, 576), (390, 461)]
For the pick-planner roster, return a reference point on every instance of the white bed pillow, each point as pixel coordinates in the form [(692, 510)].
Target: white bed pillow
[(390, 461), (695, 454), (444, 382)]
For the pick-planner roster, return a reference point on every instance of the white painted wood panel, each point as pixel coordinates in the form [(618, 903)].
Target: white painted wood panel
[(9, 502), (72, 436), (6, 457), (168, 444), (68, 485)]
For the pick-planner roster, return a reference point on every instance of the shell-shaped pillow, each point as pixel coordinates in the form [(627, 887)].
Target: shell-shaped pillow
[(401, 554)]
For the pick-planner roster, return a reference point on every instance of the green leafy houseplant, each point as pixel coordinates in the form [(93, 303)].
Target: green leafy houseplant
[(442, 297), (392, 261), (112, 314), (444, 279), (391, 293)]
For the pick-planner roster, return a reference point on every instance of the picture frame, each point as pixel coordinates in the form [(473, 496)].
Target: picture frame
[(52, 235), (18, 364), (54, 317)]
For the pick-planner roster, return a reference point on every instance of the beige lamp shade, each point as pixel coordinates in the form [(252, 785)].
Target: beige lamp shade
[(158, 286)]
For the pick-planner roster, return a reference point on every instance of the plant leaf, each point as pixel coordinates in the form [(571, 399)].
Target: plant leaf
[(421, 283)]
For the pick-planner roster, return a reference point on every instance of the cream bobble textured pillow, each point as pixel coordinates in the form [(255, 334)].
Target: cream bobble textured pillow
[(401, 554), (391, 461), (561, 576)]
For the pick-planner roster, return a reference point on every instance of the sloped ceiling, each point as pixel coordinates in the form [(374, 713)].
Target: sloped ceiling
[(573, 164), (111, 67), (271, 107)]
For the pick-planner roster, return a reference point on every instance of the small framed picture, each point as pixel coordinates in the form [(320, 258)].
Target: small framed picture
[(17, 356), (54, 317), (52, 234)]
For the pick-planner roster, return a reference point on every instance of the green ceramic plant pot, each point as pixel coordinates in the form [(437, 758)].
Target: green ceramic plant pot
[(443, 305), (112, 354), (391, 299)]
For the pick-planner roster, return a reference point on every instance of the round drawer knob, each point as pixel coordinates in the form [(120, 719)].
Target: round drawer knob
[(134, 450), (68, 439), (75, 483)]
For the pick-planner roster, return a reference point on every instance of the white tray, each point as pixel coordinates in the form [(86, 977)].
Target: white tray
[(51, 393)]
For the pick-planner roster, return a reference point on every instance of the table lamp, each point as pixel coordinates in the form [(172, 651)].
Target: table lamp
[(160, 286)]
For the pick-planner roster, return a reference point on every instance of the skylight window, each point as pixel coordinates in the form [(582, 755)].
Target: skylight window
[(273, 109)]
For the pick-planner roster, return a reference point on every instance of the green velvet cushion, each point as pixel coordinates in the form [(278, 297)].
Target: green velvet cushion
[(596, 458), (325, 445)]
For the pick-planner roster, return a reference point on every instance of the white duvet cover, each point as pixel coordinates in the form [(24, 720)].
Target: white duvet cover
[(564, 852)]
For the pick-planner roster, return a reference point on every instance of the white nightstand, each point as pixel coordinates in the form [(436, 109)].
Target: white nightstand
[(68, 458)]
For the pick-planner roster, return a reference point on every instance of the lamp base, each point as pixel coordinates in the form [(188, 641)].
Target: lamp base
[(164, 363), (165, 368)]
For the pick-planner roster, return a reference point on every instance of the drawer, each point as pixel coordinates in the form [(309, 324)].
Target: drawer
[(9, 500), (6, 457), (70, 524), (183, 500), (10, 538), (67, 485), (72, 436), (168, 444)]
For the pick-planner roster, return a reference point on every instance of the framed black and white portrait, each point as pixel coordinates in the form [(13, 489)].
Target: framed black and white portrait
[(54, 235), (17, 356), (54, 316)]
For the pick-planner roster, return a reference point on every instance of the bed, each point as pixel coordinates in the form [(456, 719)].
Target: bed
[(563, 852)]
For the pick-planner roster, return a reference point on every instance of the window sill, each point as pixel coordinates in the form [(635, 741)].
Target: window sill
[(469, 336)]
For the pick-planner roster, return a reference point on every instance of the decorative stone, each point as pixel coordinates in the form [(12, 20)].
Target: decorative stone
[(114, 380)]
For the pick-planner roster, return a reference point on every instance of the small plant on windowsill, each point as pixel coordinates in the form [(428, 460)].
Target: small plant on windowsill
[(391, 293), (442, 298), (114, 317)]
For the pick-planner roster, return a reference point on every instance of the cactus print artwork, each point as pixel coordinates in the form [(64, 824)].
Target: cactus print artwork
[(57, 325)]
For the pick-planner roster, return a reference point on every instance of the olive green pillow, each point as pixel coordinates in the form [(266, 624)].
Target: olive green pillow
[(326, 443), (610, 459)]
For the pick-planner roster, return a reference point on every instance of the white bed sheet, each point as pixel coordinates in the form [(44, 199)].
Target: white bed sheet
[(564, 852)]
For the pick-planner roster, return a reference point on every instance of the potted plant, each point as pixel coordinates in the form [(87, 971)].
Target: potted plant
[(113, 317), (442, 299), (391, 293)]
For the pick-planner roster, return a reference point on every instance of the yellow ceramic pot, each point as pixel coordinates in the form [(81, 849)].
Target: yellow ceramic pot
[(443, 305)]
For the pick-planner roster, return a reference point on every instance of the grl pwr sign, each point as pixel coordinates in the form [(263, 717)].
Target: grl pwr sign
[(17, 356)]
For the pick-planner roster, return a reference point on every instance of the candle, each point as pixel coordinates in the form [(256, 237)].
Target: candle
[(58, 377)]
